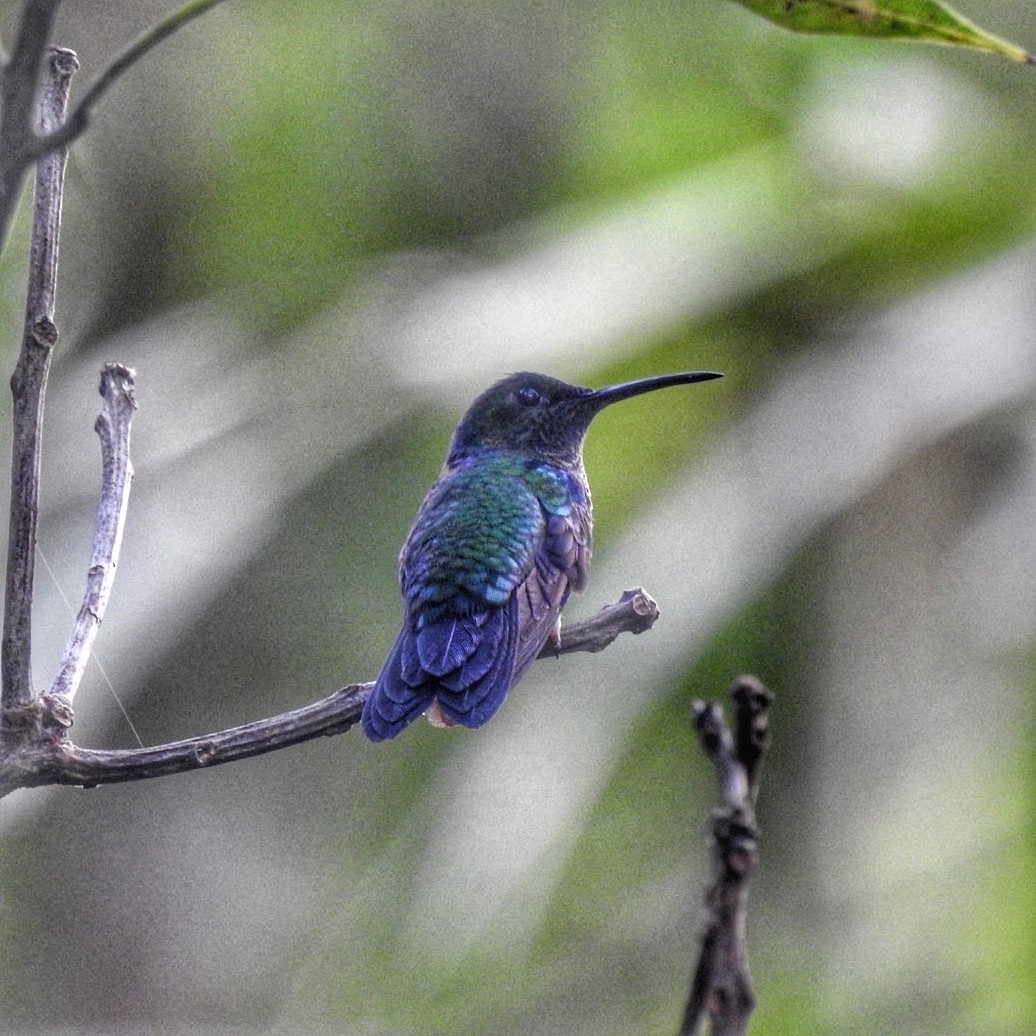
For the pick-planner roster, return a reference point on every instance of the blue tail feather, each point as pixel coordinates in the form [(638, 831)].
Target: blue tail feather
[(445, 646), (482, 647), (471, 702), (487, 654), (394, 703)]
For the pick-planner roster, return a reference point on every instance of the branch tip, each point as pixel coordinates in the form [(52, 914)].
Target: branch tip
[(643, 606), (118, 384), (634, 612), (63, 62), (711, 726), (752, 700)]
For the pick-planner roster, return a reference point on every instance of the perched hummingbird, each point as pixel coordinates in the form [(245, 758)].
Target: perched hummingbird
[(498, 545)]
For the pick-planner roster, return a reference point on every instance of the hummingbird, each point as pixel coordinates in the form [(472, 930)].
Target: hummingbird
[(498, 545)]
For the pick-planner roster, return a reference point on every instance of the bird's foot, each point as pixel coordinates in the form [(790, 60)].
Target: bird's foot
[(555, 637)]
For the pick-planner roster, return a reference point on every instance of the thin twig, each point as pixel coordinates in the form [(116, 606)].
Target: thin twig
[(113, 427), (143, 44), (44, 755), (721, 985), (28, 386)]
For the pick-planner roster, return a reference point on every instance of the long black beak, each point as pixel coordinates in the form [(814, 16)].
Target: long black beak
[(627, 389)]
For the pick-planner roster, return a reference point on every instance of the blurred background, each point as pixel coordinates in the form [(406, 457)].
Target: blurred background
[(317, 231)]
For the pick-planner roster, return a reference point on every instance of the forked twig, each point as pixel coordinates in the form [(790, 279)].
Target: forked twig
[(721, 985), (113, 427)]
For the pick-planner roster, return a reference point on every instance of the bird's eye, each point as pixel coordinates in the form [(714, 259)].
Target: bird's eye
[(528, 396)]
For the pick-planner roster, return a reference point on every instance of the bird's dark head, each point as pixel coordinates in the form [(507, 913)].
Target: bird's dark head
[(545, 417)]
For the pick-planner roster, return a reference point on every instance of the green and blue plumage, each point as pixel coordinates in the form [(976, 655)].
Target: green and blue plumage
[(499, 544)]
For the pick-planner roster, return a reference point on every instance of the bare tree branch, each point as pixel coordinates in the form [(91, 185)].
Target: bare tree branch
[(37, 750), (721, 986), (113, 427), (59, 761), (28, 386)]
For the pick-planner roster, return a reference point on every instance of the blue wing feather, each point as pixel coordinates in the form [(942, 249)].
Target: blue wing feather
[(481, 596)]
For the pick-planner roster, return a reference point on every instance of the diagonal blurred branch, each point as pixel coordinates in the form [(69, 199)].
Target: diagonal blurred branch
[(78, 118), (18, 87), (20, 146)]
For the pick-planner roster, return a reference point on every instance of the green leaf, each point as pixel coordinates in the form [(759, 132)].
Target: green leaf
[(924, 20)]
